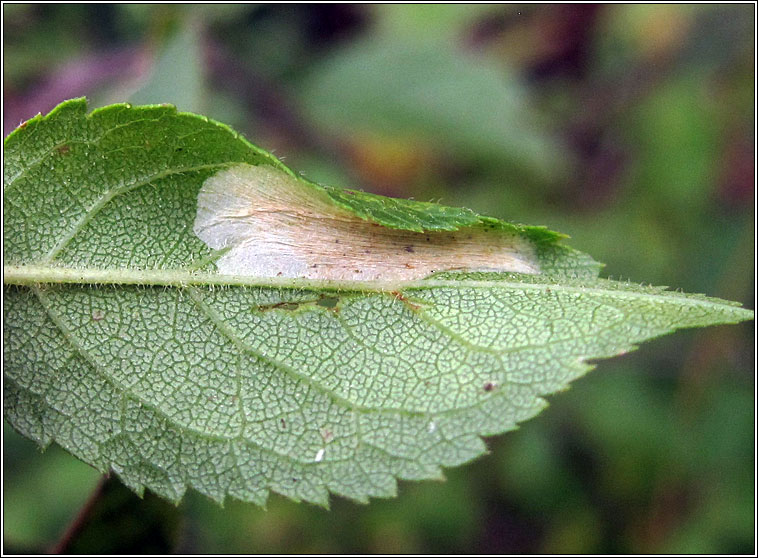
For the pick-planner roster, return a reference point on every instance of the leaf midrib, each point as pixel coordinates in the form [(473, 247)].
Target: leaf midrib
[(49, 274)]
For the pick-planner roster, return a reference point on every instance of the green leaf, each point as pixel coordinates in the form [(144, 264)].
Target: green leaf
[(137, 337)]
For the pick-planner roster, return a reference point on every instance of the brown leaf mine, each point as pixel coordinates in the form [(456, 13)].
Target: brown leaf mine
[(273, 225)]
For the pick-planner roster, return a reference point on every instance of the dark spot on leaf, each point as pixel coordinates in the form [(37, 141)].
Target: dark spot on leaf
[(489, 386), (63, 149), (179, 149), (283, 423), (409, 249), (337, 240), (278, 306)]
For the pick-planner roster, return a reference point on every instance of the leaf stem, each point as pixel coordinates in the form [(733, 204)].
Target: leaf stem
[(81, 519)]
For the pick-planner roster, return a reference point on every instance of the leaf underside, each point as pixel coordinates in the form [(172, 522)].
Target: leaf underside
[(157, 369)]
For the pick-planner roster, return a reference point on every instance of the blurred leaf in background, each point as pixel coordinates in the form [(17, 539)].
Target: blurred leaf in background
[(177, 73), (429, 90), (629, 127)]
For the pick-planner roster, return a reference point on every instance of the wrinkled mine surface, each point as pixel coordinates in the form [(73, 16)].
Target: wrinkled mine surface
[(275, 226)]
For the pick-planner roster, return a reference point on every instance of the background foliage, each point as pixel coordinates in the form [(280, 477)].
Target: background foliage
[(628, 127)]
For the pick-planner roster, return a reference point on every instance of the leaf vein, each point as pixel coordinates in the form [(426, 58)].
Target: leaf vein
[(108, 195), (238, 342)]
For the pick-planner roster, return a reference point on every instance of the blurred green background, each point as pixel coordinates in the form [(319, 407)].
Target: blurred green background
[(629, 127)]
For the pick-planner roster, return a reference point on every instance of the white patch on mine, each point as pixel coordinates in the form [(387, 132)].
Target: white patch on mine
[(276, 226), (319, 455), (431, 427)]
